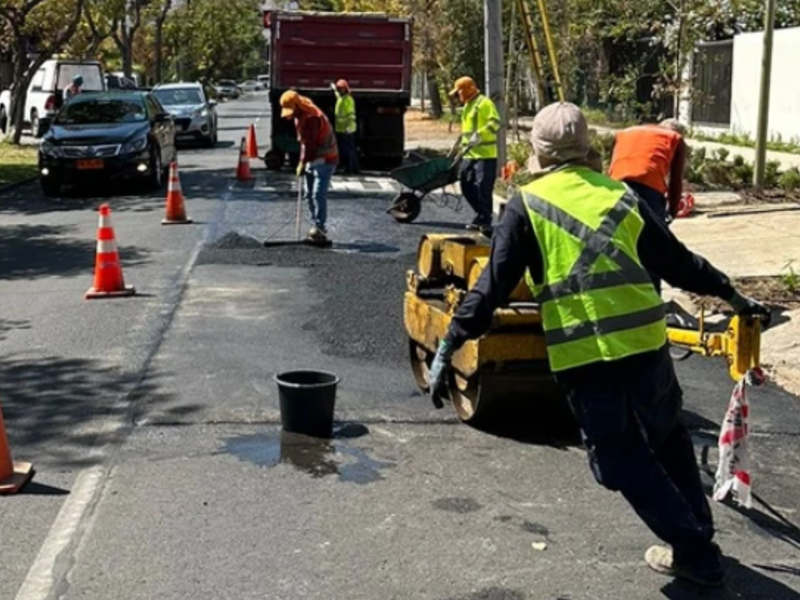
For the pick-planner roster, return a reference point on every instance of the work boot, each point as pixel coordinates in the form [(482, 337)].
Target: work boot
[(479, 223), (661, 560), (317, 235)]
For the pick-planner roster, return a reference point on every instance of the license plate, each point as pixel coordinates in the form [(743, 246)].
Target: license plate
[(90, 164)]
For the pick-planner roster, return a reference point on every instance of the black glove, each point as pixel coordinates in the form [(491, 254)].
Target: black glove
[(747, 307), (437, 374)]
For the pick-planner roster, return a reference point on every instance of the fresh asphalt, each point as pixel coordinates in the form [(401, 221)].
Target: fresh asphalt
[(153, 421)]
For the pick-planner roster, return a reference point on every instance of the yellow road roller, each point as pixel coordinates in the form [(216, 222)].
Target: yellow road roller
[(509, 363)]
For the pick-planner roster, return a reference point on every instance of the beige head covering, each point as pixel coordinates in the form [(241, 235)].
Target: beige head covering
[(674, 125), (559, 135)]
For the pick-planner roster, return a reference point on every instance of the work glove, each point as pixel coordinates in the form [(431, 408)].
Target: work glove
[(333, 86), (474, 139), (748, 307), (300, 168), (437, 374)]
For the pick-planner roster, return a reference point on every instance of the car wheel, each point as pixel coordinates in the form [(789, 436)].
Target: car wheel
[(211, 140), (156, 170), (3, 120), (50, 187), (35, 123)]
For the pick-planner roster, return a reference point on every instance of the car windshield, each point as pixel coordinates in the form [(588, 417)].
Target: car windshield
[(85, 110), (92, 77), (176, 96)]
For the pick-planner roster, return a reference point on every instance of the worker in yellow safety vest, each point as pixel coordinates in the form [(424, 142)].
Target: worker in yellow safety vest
[(584, 243), (480, 123), (346, 125)]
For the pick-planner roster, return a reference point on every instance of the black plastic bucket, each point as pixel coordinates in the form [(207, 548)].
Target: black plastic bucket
[(307, 400)]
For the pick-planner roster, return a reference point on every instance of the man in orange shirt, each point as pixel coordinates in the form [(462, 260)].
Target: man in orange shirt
[(319, 156), (651, 159)]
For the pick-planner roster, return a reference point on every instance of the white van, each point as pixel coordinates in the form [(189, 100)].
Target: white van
[(46, 91)]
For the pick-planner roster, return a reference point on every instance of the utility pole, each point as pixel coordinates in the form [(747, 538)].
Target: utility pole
[(763, 98), (493, 49), (127, 55)]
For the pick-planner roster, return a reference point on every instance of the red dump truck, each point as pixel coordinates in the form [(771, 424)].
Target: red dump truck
[(372, 51)]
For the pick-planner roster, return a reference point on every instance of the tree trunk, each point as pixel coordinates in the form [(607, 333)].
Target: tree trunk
[(159, 40), (436, 110)]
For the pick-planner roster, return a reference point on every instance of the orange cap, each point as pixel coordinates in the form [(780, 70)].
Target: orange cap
[(465, 88), (289, 101), (342, 84)]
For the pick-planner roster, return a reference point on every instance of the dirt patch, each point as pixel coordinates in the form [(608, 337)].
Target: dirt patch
[(421, 126), (776, 291), (769, 196)]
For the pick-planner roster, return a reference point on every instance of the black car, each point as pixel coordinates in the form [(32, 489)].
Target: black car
[(107, 136)]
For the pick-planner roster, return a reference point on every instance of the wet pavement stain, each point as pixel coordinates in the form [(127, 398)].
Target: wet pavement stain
[(316, 457), (524, 524), (457, 505)]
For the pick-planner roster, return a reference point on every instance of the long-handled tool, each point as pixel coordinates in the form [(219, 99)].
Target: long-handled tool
[(299, 207), (298, 219)]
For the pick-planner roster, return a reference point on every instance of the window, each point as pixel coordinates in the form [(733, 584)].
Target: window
[(179, 96), (92, 77), (88, 110), (38, 80)]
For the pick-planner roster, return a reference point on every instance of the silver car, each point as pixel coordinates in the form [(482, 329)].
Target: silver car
[(194, 109)]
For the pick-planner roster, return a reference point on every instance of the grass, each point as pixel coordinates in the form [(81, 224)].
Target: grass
[(17, 163)]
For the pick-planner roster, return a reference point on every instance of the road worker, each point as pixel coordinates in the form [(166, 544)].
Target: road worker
[(346, 125), (480, 123), (74, 88), (319, 155), (651, 159), (583, 241)]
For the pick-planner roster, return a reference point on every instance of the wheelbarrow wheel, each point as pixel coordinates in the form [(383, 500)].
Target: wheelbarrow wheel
[(274, 160), (406, 207)]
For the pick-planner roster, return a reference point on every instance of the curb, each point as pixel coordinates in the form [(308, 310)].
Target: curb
[(16, 184)]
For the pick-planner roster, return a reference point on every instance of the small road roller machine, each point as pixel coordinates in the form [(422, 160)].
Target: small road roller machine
[(508, 365)]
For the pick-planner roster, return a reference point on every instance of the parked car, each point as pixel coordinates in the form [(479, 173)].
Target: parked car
[(264, 80), (227, 88), (107, 136), (119, 82), (251, 85), (194, 109), (46, 91)]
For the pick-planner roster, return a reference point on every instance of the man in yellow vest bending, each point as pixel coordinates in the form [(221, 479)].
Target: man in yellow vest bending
[(346, 125), (584, 243), (480, 123)]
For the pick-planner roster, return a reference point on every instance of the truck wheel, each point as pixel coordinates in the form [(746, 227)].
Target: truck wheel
[(274, 160), (406, 207)]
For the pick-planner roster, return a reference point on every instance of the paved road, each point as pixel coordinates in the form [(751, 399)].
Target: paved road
[(162, 471)]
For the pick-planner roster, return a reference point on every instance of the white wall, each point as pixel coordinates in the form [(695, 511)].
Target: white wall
[(784, 104)]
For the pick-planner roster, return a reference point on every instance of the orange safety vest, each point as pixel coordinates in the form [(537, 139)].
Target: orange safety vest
[(326, 142), (644, 154)]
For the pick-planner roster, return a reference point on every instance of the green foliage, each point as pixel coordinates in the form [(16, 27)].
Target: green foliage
[(790, 278), (776, 143), (790, 180)]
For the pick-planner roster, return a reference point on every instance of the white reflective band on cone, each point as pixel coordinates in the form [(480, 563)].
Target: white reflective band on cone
[(106, 246)]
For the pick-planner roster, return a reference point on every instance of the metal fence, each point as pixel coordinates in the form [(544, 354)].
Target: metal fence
[(713, 80)]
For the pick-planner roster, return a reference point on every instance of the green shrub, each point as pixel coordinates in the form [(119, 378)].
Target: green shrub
[(790, 180), (519, 152)]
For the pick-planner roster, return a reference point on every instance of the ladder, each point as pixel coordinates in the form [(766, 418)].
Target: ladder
[(550, 87)]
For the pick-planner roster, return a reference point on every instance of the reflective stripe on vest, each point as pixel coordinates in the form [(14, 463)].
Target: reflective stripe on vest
[(471, 122), (345, 114), (597, 301)]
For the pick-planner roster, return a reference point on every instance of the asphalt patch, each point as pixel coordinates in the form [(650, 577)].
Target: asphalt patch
[(361, 313)]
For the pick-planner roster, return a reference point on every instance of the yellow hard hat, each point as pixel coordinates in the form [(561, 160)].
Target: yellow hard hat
[(465, 88), (289, 101)]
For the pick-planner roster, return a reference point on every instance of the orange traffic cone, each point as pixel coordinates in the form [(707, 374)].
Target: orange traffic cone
[(252, 145), (243, 169), (12, 475), (176, 209), (108, 281)]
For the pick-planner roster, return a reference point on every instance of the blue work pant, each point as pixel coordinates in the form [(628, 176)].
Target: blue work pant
[(477, 185), (347, 149), (317, 181), (637, 446)]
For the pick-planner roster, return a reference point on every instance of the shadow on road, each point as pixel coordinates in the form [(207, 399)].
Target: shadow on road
[(743, 583), (57, 409), (28, 251), (7, 325)]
